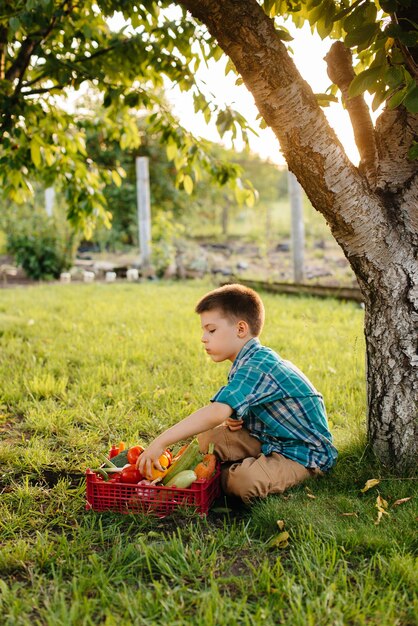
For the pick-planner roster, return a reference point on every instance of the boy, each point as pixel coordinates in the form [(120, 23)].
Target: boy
[(268, 423)]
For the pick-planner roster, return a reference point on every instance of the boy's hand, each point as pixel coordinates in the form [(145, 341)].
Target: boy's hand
[(233, 424), (148, 459)]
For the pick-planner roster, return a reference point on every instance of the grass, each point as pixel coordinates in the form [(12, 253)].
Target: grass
[(83, 366)]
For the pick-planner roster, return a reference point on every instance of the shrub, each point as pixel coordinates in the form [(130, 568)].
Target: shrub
[(41, 248), (165, 233)]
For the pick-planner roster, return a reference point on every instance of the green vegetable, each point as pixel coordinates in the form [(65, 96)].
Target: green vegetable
[(102, 473), (121, 459), (188, 460), (182, 479), (108, 463)]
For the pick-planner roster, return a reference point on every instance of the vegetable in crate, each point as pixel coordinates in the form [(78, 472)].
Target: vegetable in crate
[(164, 462), (121, 459), (133, 454), (207, 466), (130, 475), (182, 480), (187, 461)]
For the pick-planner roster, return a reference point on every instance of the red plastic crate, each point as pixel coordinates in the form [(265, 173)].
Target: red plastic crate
[(150, 499)]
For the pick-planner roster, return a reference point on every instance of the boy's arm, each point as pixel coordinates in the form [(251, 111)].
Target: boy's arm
[(201, 420)]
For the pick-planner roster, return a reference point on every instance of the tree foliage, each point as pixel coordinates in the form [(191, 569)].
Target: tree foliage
[(383, 34), (49, 46)]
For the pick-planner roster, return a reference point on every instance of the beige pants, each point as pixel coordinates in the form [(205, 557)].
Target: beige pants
[(251, 474)]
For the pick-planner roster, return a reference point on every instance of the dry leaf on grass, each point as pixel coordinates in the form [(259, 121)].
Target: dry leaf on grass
[(401, 501), (280, 541), (381, 505), (369, 484), (309, 493)]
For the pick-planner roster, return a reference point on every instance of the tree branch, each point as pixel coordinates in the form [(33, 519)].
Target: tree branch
[(19, 67), (79, 60), (341, 72)]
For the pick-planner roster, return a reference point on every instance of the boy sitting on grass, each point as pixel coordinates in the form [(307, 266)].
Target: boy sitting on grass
[(268, 423)]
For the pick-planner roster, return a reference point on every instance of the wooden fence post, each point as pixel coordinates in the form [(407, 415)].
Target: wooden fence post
[(144, 209)]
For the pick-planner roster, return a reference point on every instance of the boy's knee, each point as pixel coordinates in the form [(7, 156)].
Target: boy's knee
[(243, 482)]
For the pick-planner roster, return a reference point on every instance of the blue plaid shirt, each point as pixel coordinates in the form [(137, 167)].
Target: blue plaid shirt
[(279, 406)]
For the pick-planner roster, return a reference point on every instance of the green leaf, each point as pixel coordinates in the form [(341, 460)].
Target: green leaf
[(360, 35), (35, 153), (171, 150), (364, 14), (397, 98), (279, 541), (49, 156), (14, 24), (365, 80), (116, 178), (393, 76), (324, 26), (413, 151), (283, 34), (379, 97), (188, 184), (324, 99), (411, 100)]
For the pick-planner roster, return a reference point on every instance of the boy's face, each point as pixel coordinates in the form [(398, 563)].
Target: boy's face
[(221, 336)]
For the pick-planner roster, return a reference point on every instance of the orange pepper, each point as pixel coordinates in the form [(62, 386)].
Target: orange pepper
[(206, 468), (156, 473)]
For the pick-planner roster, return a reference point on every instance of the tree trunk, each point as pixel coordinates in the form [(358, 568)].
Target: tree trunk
[(391, 388), (376, 226)]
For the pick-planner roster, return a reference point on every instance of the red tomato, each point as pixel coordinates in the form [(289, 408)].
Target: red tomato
[(134, 453), (130, 475)]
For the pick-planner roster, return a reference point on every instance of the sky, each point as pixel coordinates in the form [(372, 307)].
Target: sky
[(308, 54)]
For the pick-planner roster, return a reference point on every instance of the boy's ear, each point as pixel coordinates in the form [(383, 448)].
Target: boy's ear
[(242, 328)]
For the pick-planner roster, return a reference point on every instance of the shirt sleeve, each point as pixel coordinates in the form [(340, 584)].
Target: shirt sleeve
[(249, 387)]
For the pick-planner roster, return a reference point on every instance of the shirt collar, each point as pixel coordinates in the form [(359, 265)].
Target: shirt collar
[(244, 354)]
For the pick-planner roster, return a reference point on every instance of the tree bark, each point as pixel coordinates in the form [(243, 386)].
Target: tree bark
[(376, 228)]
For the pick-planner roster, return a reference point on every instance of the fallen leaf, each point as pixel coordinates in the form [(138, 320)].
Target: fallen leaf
[(379, 517), (369, 484), (280, 541), (381, 503), (309, 492), (280, 524), (349, 514), (401, 501)]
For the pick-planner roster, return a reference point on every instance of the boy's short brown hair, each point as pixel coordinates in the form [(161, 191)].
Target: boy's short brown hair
[(236, 302)]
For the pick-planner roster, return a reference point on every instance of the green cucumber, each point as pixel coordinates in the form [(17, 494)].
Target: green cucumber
[(188, 461), (182, 480), (120, 459)]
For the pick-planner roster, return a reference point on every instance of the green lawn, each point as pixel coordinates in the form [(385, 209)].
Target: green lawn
[(83, 366)]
